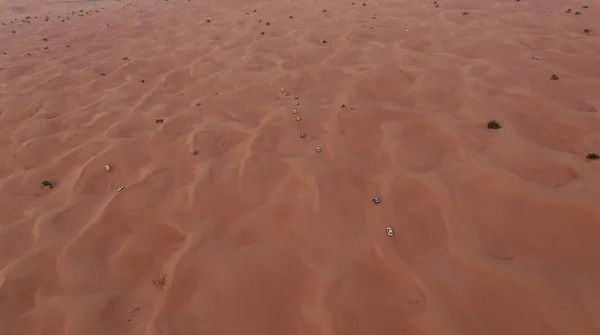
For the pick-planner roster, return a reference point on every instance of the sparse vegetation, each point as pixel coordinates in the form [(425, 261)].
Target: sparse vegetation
[(569, 10), (342, 106), (587, 31), (554, 77), (45, 39), (364, 4), (160, 283), (268, 24), (160, 120), (291, 17), (592, 155), (577, 13), (125, 58), (324, 42), (142, 81), (493, 124), (585, 7), (48, 184), (465, 13), (198, 104)]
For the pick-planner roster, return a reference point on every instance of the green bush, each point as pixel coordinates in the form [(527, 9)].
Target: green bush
[(493, 124)]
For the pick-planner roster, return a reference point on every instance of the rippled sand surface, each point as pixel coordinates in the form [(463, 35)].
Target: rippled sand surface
[(231, 223)]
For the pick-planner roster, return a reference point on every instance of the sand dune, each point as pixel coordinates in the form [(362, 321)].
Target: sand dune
[(230, 222)]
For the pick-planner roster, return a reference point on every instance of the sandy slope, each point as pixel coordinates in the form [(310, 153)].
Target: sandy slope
[(496, 232)]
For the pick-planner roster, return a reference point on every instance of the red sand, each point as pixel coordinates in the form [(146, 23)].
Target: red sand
[(496, 231)]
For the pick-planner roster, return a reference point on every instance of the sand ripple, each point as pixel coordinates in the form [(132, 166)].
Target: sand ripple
[(230, 223)]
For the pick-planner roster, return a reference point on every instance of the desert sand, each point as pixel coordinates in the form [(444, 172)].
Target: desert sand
[(229, 222)]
